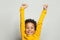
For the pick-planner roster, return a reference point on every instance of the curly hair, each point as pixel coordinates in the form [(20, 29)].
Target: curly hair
[(32, 21)]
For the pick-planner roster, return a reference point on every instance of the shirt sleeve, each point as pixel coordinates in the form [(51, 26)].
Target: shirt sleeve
[(39, 24), (22, 21)]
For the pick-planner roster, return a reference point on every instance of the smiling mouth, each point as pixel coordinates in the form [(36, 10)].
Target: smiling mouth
[(30, 32)]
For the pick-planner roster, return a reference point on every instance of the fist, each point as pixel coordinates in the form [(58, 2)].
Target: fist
[(45, 6), (24, 6)]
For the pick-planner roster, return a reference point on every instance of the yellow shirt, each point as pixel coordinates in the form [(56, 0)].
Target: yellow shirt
[(36, 35)]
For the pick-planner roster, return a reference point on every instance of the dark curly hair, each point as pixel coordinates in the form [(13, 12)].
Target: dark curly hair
[(32, 21)]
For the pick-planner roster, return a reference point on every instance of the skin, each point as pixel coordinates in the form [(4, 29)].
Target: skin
[(29, 30)]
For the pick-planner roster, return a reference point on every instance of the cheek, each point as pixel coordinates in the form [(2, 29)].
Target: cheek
[(27, 30), (32, 30)]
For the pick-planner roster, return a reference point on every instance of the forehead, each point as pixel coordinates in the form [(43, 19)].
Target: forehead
[(29, 24)]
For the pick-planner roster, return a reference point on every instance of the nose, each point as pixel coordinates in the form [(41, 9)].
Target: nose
[(29, 29)]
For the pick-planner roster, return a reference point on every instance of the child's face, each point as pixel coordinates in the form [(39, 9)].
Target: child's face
[(30, 28)]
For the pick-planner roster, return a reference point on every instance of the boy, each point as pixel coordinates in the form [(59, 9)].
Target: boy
[(29, 29)]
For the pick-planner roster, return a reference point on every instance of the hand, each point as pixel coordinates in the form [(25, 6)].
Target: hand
[(24, 6), (45, 6)]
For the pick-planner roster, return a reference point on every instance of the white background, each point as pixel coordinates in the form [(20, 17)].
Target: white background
[(10, 19)]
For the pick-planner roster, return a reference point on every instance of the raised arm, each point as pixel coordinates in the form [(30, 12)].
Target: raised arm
[(40, 21), (22, 20)]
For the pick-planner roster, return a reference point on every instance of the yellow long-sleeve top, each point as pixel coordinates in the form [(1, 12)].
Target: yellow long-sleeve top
[(36, 35)]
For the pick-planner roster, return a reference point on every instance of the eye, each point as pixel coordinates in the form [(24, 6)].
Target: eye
[(32, 27), (27, 27)]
